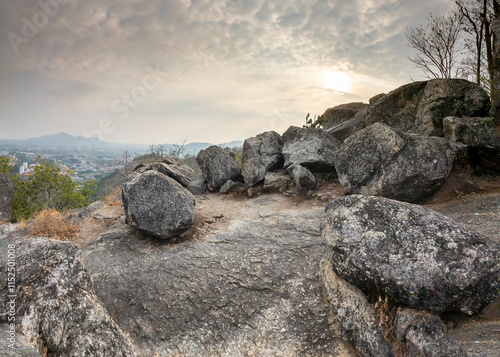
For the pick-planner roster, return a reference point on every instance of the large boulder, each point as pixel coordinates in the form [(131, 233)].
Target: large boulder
[(157, 205), (382, 162), (310, 147), (6, 197), (248, 290), (479, 135), (53, 301), (341, 113), (261, 154), (418, 257), (217, 166), (420, 107), (354, 315)]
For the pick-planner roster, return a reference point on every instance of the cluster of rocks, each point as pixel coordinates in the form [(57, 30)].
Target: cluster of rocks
[(255, 288)]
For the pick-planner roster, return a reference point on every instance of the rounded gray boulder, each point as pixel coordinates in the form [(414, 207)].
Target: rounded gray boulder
[(418, 257), (157, 205)]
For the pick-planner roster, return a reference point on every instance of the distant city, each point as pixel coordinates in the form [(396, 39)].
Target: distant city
[(92, 160)]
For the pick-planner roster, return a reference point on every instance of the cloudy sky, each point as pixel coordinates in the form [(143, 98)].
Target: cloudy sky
[(161, 71)]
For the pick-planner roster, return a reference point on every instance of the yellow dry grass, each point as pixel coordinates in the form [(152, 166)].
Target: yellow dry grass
[(114, 198), (53, 224)]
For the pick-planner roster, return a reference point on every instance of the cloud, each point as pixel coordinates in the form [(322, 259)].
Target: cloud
[(232, 64)]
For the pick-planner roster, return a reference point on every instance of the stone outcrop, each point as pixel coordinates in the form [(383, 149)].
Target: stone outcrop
[(250, 290), (303, 177), (479, 135), (6, 197), (217, 166), (420, 107), (418, 257), (382, 162), (260, 155), (310, 147), (341, 113), (55, 304), (157, 205), (230, 186), (417, 330), (354, 315)]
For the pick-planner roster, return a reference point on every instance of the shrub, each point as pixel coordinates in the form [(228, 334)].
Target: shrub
[(53, 224)]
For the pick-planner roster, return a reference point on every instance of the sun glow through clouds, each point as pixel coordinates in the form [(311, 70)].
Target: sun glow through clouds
[(337, 81)]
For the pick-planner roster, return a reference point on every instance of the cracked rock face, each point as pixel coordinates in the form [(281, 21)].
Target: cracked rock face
[(261, 154), (157, 205), (381, 162), (252, 289), (56, 305), (418, 257)]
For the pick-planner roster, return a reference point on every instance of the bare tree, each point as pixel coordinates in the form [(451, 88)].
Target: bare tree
[(437, 45), (177, 151)]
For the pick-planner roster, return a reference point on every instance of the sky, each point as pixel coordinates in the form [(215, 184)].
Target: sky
[(165, 71)]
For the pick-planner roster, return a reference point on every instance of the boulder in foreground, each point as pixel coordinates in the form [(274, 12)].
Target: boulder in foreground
[(55, 305), (158, 205), (418, 257)]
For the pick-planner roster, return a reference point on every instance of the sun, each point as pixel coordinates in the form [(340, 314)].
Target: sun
[(337, 81)]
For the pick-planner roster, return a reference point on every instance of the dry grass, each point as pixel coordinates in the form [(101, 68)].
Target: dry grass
[(53, 224), (21, 225), (114, 198), (386, 315)]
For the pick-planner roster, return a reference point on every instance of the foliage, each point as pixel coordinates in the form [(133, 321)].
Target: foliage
[(52, 224), (316, 122), (5, 164), (437, 45), (49, 188)]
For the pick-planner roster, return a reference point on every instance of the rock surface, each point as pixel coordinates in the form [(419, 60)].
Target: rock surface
[(310, 147), (217, 166), (345, 129), (479, 135), (418, 257), (230, 186), (354, 315), (158, 205), (303, 178), (181, 173), (420, 107), (55, 305), (382, 162), (261, 154), (6, 197), (418, 329), (341, 113), (472, 340), (276, 182), (248, 289)]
